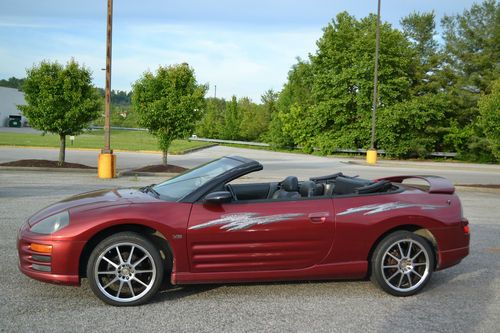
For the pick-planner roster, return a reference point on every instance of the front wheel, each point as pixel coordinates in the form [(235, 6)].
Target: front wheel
[(402, 263), (125, 269)]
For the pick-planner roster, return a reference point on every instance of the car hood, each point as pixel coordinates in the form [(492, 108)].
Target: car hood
[(94, 199)]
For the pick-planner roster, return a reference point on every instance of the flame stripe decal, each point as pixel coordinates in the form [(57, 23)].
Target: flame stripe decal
[(240, 221), (380, 208)]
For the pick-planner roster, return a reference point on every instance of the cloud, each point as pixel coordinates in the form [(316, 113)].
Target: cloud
[(241, 62), (244, 48)]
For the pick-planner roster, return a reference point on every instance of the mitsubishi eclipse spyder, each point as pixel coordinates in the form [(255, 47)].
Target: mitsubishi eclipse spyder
[(203, 226)]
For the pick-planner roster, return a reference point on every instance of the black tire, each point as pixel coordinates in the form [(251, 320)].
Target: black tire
[(125, 269), (402, 263)]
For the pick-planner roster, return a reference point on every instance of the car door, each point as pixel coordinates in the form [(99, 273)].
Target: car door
[(260, 235)]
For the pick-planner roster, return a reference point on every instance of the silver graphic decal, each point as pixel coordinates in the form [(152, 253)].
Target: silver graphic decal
[(240, 221), (379, 208)]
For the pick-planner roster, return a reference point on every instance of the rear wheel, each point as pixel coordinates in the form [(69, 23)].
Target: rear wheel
[(125, 269), (402, 263)]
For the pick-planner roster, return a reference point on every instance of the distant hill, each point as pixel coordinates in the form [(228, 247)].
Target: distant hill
[(118, 97), (12, 82)]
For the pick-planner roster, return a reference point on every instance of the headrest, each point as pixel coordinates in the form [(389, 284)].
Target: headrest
[(307, 188), (290, 184), (319, 189)]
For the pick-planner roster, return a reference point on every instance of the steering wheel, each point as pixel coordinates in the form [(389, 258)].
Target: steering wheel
[(229, 188)]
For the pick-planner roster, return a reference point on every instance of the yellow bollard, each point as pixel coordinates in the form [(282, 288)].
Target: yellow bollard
[(371, 156), (106, 166)]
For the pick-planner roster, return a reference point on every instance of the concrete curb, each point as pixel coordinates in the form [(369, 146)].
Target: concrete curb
[(192, 150), (70, 170), (131, 173), (427, 165), (122, 173)]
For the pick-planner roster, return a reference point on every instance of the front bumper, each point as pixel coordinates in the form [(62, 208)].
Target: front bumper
[(60, 266)]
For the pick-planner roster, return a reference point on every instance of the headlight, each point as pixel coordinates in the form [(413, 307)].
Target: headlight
[(51, 224)]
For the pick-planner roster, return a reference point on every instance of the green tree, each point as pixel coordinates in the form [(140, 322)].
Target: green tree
[(469, 142), (254, 119), (343, 79), (298, 123), (411, 128), (232, 121), (416, 126), (472, 62), (297, 91), (60, 99), (472, 49), (489, 118), (12, 82), (270, 103), (420, 29), (169, 103), (121, 116), (212, 123), (118, 97)]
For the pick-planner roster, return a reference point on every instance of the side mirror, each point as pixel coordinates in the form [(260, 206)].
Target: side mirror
[(217, 198)]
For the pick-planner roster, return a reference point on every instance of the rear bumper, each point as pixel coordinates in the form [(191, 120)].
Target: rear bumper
[(453, 243), (451, 257)]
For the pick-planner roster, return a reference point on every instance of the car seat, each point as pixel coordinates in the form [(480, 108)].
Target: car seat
[(289, 189)]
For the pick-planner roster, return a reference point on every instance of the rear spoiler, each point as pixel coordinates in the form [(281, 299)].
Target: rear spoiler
[(436, 184)]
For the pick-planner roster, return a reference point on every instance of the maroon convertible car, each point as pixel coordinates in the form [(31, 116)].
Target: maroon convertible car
[(203, 227)]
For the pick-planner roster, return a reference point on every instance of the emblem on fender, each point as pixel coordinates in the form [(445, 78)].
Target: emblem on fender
[(240, 221)]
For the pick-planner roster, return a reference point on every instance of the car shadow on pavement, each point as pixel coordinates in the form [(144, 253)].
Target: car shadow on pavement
[(171, 293), (458, 298)]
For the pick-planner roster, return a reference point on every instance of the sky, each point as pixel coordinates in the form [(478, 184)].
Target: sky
[(242, 47)]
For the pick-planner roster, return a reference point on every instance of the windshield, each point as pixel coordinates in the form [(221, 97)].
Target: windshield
[(185, 183)]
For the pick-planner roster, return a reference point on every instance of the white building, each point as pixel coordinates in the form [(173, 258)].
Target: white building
[(9, 99)]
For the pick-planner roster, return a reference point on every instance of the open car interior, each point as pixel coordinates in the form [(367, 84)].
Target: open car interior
[(291, 188)]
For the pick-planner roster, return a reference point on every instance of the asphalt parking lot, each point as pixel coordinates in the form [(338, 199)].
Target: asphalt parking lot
[(465, 298)]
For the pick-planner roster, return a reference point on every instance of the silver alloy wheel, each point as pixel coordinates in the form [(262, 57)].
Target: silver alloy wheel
[(125, 272), (405, 265)]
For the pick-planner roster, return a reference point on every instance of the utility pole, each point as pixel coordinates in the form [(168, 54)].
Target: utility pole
[(371, 154), (107, 111), (107, 161), (215, 93)]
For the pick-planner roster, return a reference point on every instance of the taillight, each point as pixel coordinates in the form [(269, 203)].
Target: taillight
[(465, 226)]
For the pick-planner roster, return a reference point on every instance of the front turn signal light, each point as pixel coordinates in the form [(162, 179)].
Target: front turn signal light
[(42, 248)]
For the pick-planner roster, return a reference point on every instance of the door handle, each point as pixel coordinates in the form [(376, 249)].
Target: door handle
[(318, 217)]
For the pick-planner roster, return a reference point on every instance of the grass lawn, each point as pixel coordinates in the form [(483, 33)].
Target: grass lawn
[(120, 140)]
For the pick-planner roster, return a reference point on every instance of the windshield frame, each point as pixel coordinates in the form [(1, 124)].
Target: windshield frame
[(237, 166)]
